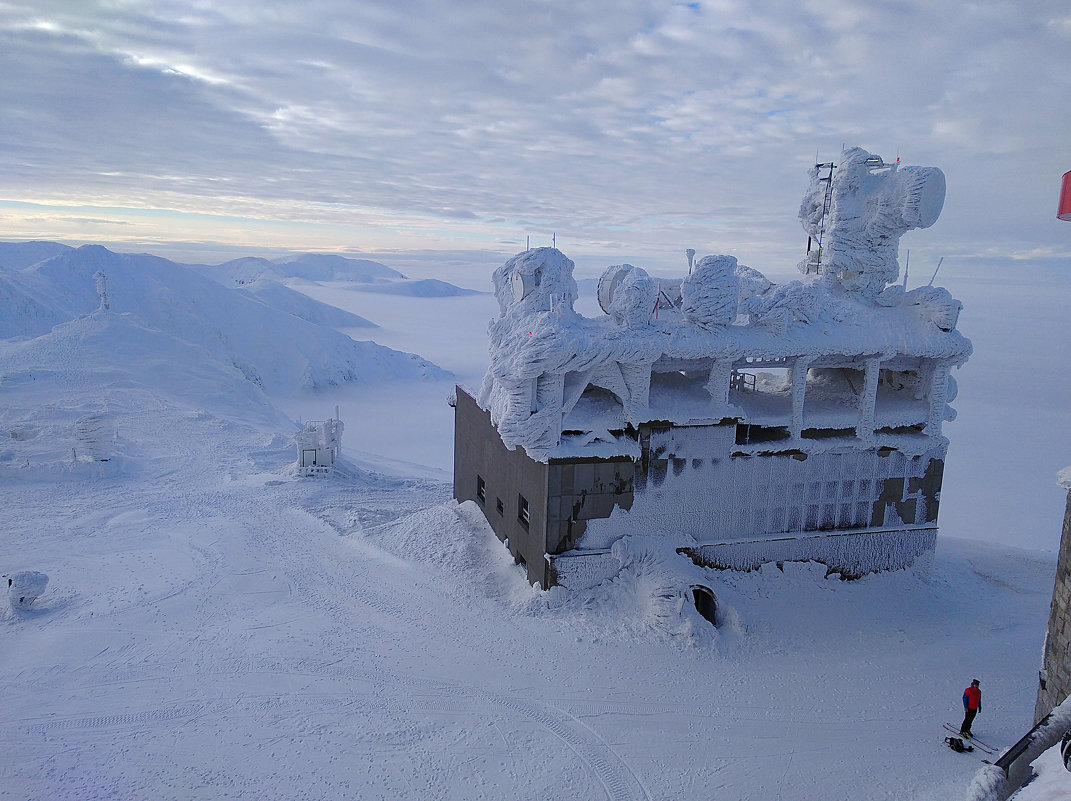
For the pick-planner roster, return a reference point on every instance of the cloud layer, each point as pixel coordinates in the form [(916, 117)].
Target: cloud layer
[(625, 128)]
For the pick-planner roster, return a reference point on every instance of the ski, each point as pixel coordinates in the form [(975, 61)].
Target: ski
[(984, 747)]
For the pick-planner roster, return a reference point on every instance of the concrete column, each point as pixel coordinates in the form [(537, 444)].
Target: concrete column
[(799, 391), (864, 429), (718, 385), (938, 399)]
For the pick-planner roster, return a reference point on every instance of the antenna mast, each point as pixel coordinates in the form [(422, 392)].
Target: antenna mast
[(935, 271)]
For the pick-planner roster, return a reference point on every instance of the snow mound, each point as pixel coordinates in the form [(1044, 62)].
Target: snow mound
[(283, 298), (272, 348), (24, 587), (75, 396), (456, 540)]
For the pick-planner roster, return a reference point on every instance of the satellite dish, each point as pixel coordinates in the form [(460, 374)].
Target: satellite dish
[(608, 283), (924, 195), (522, 285)]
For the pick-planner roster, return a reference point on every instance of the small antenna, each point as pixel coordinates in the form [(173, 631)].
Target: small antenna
[(935, 271), (554, 240), (907, 261), (690, 253), (528, 242)]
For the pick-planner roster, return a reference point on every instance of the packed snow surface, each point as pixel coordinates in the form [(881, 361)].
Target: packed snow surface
[(215, 627)]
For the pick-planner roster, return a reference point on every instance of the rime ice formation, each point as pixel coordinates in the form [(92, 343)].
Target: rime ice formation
[(678, 360), (856, 217), (24, 587), (841, 382), (710, 295), (628, 294)]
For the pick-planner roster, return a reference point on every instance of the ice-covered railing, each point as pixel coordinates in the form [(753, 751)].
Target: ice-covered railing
[(673, 350)]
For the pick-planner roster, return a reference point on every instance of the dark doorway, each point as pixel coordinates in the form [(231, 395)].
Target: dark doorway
[(705, 603)]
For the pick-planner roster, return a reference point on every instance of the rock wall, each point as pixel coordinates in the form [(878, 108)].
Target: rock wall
[(1055, 684)]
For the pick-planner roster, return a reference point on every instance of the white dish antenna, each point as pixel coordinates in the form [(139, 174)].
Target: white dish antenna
[(522, 285)]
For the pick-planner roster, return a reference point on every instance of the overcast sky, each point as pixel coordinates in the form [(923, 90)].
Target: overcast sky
[(631, 130)]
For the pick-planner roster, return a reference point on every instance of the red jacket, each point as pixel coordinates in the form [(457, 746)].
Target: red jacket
[(972, 698)]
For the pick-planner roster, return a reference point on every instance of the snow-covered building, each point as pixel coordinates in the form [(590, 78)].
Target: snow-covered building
[(739, 421), (319, 444)]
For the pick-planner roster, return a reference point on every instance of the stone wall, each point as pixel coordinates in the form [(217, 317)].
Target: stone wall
[(1055, 684)]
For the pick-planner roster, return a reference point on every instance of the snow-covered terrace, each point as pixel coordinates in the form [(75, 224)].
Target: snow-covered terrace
[(842, 354)]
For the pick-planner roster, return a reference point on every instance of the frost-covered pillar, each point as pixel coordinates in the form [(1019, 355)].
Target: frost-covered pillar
[(938, 398), (718, 384), (637, 378), (799, 392), (869, 399)]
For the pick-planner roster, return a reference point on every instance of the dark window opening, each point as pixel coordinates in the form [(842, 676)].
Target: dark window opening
[(522, 510), (827, 433), (747, 433), (705, 604), (481, 489), (498, 506), (916, 429)]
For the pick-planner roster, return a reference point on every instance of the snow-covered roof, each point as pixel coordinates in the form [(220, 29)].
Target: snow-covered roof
[(723, 314)]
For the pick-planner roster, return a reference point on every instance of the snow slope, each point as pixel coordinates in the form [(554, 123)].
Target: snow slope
[(271, 347), (282, 297), (216, 628)]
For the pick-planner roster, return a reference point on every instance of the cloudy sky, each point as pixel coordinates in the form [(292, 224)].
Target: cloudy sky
[(629, 130)]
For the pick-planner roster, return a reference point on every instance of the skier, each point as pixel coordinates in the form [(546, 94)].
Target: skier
[(972, 705)]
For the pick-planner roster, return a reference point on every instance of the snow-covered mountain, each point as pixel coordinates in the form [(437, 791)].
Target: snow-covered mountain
[(16, 255), (364, 274), (279, 296), (306, 267), (271, 347), (422, 288)]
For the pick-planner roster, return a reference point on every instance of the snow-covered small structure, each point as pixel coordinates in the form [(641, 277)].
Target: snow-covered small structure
[(739, 421), (319, 445), (24, 587), (96, 435)]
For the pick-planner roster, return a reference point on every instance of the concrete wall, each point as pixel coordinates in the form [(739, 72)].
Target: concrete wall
[(581, 490), (508, 476), (855, 510), (1055, 684)]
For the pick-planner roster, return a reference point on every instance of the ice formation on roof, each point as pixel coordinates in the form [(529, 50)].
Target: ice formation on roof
[(858, 214), (673, 350)]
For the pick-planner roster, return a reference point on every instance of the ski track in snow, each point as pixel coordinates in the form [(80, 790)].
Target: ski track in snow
[(209, 572)]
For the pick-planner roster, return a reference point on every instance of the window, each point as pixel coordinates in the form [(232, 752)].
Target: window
[(481, 489), (522, 510), (498, 506)]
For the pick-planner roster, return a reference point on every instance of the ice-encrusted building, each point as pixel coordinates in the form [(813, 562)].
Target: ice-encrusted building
[(739, 421), (319, 445)]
